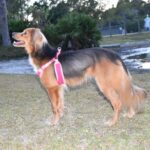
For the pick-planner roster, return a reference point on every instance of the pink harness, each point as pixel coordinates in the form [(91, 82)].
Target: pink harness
[(57, 67)]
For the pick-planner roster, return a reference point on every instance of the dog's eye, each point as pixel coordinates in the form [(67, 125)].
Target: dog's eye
[(25, 33)]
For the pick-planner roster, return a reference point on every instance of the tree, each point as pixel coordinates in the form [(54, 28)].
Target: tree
[(4, 23), (39, 11), (123, 12), (46, 12), (109, 17), (92, 8), (146, 8), (131, 14), (58, 11), (17, 9)]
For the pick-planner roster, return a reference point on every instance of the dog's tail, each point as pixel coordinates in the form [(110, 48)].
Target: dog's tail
[(133, 96)]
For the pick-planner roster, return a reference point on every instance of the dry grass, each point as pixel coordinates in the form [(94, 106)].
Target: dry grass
[(25, 113), (128, 38)]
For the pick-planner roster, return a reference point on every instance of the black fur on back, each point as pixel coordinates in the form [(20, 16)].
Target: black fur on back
[(74, 63)]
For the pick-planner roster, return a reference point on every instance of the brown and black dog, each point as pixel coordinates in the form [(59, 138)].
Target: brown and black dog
[(106, 67)]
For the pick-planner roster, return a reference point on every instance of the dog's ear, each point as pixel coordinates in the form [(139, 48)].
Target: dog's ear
[(38, 39), (38, 29)]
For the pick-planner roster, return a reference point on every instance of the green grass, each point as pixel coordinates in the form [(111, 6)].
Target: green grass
[(11, 52), (126, 38), (25, 113)]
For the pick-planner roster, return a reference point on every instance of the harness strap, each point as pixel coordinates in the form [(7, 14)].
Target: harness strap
[(57, 67), (40, 70)]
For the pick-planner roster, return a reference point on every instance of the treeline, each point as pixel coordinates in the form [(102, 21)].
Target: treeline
[(71, 24), (75, 23), (129, 14)]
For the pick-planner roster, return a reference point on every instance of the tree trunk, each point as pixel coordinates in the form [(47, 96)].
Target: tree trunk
[(139, 27), (4, 24), (110, 34)]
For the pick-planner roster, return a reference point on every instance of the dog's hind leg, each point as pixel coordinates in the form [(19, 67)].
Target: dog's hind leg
[(117, 106), (112, 95), (56, 98)]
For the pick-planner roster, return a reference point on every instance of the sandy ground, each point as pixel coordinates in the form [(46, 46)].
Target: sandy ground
[(25, 114)]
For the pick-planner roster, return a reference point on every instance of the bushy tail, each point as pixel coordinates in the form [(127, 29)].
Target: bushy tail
[(139, 96), (133, 96)]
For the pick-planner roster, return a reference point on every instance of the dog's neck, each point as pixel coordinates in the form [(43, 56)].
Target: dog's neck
[(42, 55), (44, 52)]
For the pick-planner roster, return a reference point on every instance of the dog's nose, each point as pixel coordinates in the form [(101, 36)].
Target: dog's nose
[(13, 34)]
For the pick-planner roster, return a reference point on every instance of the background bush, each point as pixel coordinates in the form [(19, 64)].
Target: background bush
[(74, 31), (18, 25)]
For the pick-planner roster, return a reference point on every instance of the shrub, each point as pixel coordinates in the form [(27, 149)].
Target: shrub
[(18, 25), (74, 31), (52, 35)]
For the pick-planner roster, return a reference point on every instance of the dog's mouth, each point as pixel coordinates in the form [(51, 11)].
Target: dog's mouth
[(18, 43)]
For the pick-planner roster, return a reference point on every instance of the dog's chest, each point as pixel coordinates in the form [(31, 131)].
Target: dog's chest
[(35, 67)]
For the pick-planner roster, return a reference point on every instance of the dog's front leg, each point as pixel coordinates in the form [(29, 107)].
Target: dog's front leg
[(56, 98)]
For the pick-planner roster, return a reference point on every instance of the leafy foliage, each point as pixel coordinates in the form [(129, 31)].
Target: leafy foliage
[(39, 11), (18, 25), (74, 31), (48, 12), (17, 9), (58, 12), (92, 8), (129, 14)]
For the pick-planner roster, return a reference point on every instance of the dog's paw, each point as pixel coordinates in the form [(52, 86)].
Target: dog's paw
[(47, 121), (129, 114), (109, 123), (51, 122), (55, 121), (124, 115)]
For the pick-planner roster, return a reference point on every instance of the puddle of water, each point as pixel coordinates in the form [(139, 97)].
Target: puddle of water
[(134, 52), (16, 66), (135, 60), (146, 65)]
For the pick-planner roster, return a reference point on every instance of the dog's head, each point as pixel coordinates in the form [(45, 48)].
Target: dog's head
[(31, 39)]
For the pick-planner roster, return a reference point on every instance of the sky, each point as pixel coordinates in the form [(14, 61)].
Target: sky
[(110, 3)]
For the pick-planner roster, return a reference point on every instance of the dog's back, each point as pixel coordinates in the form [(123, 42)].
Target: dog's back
[(75, 63)]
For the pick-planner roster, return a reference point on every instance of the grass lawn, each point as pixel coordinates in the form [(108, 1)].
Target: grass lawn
[(126, 38), (25, 116)]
